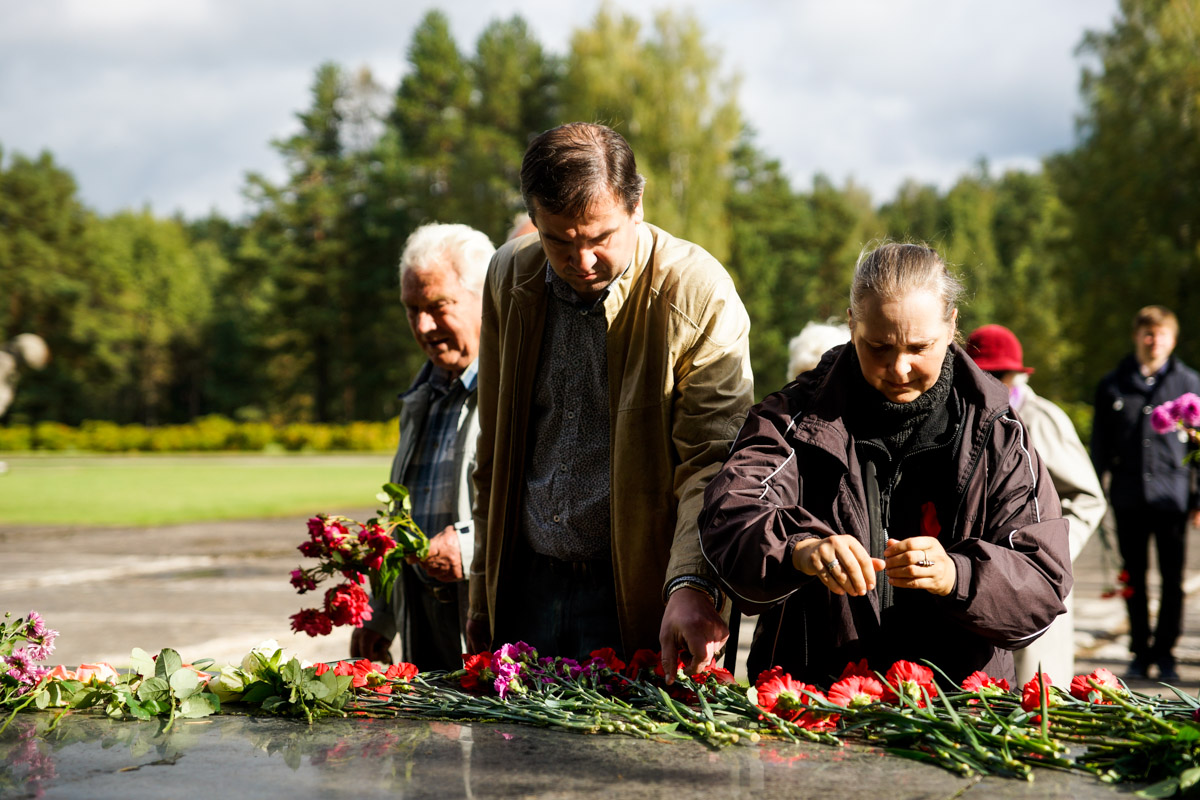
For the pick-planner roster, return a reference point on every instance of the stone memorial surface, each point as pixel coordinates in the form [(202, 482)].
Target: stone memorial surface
[(236, 756)]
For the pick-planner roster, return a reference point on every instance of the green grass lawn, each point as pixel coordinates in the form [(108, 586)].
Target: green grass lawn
[(152, 490)]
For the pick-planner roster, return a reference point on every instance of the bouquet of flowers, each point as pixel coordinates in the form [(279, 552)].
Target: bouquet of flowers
[(23, 642), (1182, 413), (370, 552)]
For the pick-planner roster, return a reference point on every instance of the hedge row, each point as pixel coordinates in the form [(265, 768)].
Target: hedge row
[(212, 433)]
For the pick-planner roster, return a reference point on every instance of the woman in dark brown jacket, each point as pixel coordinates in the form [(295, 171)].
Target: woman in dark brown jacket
[(888, 504)]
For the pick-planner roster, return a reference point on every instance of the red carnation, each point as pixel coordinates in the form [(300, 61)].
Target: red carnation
[(855, 691), (609, 657), (644, 659), (1082, 689), (983, 683), (1030, 700), (479, 672), (312, 622), (913, 681), (787, 698), (348, 604), (860, 668)]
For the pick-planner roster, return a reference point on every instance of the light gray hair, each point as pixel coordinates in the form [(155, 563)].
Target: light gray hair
[(894, 270), (465, 248), (806, 348)]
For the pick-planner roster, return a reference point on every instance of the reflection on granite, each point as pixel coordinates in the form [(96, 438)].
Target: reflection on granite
[(235, 756)]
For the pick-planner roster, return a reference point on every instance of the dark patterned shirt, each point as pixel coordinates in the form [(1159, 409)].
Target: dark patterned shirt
[(565, 503), (431, 478)]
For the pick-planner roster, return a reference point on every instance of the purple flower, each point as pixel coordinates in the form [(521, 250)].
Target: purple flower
[(1187, 409), (40, 639), (1162, 419), (21, 668)]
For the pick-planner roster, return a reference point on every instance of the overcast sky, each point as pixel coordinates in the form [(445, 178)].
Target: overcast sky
[(170, 103)]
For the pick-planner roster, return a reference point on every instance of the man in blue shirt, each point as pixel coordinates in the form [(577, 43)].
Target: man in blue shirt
[(442, 271)]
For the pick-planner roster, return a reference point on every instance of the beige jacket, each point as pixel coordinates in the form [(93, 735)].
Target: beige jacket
[(679, 387)]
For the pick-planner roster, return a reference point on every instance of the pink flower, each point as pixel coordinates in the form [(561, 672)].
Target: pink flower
[(347, 604), (312, 622), (508, 679), (1082, 689), (1187, 409), (913, 681), (1162, 419), (302, 581), (856, 691)]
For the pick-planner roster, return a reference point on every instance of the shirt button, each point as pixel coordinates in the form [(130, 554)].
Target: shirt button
[(1145, 442), (1147, 409), (557, 518), (562, 467), (570, 415)]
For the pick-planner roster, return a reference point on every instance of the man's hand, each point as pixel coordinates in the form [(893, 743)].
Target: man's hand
[(479, 636), (444, 561), (366, 643), (690, 624)]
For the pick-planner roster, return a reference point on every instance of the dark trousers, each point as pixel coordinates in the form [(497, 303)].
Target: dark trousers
[(434, 615), (562, 608), (1135, 528)]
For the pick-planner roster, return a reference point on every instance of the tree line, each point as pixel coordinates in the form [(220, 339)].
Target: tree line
[(292, 313)]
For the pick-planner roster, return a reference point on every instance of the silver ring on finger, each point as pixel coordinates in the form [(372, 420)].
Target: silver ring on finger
[(829, 565)]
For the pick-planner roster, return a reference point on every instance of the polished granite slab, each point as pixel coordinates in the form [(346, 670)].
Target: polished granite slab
[(87, 755)]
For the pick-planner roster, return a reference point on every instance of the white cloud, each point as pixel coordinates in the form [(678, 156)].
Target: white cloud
[(171, 103)]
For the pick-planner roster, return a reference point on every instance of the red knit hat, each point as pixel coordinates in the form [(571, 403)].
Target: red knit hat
[(995, 349)]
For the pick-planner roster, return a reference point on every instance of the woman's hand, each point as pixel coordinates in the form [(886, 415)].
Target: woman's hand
[(840, 562), (920, 563)]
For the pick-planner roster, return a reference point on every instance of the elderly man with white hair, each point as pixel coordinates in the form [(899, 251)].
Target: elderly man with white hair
[(442, 271)]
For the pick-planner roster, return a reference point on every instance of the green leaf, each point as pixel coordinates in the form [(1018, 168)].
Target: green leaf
[(257, 692), (141, 662), (1189, 778), (198, 705), (316, 690), (168, 663), (184, 683), (1165, 788), (1188, 733), (153, 689), (292, 672), (138, 710)]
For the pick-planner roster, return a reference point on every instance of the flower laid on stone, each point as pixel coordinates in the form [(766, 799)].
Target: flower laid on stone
[(23, 643), (1087, 687), (370, 552), (1100, 727)]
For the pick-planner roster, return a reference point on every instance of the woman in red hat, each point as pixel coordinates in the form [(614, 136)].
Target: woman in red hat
[(997, 350)]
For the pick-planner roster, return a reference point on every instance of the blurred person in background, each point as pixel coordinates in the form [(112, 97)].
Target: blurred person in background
[(806, 348), (997, 350), (442, 271), (1152, 492)]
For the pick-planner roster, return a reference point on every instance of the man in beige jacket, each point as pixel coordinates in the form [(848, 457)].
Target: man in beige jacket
[(614, 373), (997, 350)]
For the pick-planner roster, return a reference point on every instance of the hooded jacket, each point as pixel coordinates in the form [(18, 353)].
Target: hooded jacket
[(798, 472)]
